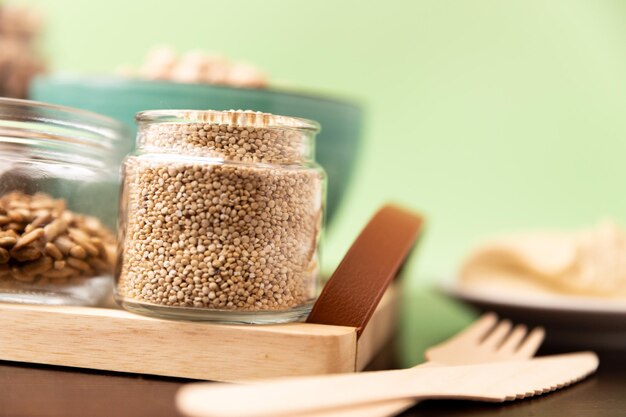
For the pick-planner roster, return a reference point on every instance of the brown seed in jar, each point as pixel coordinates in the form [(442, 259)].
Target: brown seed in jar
[(102, 251), (111, 253), (76, 280), (28, 238), (45, 202), (18, 227), (59, 264), (54, 229), (41, 219), (98, 264), (93, 225), (4, 219), (67, 217), (19, 215), (82, 239), (20, 276), (4, 256), (64, 244), (61, 273), (41, 265), (79, 264), (26, 254), (91, 249), (11, 233), (53, 251), (7, 241), (78, 252)]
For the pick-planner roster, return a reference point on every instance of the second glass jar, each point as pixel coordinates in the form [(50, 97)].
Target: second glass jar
[(220, 218)]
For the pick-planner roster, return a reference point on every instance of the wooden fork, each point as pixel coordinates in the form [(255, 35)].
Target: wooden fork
[(486, 340), (298, 396)]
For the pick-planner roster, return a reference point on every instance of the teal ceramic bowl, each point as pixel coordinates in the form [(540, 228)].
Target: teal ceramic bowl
[(120, 98)]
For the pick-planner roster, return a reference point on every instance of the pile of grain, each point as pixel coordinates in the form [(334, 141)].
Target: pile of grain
[(232, 143), (43, 242)]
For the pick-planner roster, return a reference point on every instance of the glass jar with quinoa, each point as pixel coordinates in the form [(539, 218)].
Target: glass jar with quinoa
[(59, 182), (221, 216)]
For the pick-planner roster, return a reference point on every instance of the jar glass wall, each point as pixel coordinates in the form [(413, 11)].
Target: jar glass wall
[(59, 183), (221, 216)]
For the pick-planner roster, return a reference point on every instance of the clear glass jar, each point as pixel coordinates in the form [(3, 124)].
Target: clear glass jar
[(59, 185), (221, 216)]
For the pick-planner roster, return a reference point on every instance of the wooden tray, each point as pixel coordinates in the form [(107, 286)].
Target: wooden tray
[(115, 340)]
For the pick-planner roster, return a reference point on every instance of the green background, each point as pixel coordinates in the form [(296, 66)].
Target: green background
[(488, 116)]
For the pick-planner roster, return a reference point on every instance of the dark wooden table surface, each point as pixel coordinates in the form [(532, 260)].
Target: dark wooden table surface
[(45, 391)]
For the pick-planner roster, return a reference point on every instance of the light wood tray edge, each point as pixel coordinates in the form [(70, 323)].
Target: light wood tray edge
[(116, 340)]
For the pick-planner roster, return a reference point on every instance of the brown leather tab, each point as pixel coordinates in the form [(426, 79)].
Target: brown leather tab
[(374, 259)]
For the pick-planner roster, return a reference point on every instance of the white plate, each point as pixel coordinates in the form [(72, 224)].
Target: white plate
[(570, 321)]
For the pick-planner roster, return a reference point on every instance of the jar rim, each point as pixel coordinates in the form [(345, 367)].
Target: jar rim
[(241, 118), (63, 109), (71, 125)]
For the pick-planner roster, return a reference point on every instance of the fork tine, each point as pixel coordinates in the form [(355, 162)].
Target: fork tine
[(481, 327), (495, 338), (529, 346), (512, 342)]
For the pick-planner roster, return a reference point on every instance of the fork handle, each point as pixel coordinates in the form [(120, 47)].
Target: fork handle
[(290, 396), (382, 409)]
